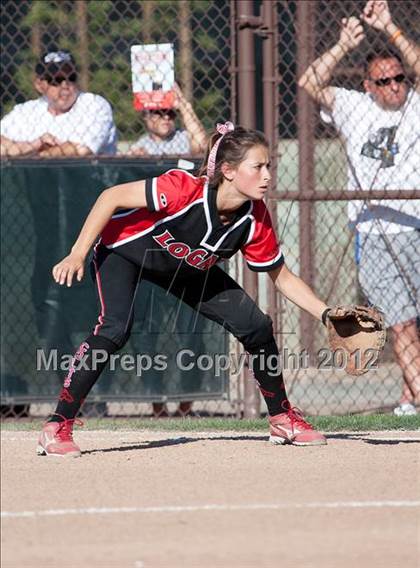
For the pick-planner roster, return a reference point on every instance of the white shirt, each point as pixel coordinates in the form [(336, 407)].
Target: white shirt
[(89, 122), (176, 145), (383, 150)]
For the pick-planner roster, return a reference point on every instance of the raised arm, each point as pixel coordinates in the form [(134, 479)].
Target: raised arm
[(192, 124), (317, 77), (377, 15), (295, 290), (127, 195)]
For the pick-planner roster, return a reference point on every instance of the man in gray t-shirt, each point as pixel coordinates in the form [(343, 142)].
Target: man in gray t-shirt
[(163, 138)]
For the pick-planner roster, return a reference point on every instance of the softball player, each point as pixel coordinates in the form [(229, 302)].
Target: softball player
[(172, 230)]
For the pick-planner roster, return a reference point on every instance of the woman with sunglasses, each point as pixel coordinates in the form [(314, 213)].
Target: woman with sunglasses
[(63, 121), (163, 138), (380, 128), (173, 232)]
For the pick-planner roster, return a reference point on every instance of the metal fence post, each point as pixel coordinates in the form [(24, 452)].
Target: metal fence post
[(305, 55), (247, 118), (271, 118)]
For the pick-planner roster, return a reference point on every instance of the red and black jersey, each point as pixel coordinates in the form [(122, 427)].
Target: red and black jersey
[(181, 226)]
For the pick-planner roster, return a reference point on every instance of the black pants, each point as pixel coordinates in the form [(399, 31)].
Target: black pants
[(213, 293)]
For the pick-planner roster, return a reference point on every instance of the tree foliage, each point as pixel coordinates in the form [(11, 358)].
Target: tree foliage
[(113, 26)]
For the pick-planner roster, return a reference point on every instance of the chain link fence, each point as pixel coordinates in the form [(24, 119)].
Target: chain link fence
[(99, 35), (317, 162), (351, 251), (55, 52)]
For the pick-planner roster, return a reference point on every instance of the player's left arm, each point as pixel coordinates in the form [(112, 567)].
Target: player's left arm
[(295, 290)]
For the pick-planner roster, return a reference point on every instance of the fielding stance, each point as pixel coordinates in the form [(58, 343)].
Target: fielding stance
[(172, 231)]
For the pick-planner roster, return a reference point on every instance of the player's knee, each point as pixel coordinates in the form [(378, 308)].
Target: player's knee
[(117, 335), (116, 330), (259, 333)]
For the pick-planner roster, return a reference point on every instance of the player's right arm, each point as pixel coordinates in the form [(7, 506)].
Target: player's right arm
[(317, 77), (125, 196)]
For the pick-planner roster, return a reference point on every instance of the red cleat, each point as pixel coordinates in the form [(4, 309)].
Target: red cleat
[(56, 439), (290, 428)]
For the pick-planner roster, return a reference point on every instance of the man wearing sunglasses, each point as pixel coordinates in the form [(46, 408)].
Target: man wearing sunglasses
[(380, 128), (63, 121), (162, 137)]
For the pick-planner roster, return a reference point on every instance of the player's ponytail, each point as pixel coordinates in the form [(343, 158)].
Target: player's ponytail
[(228, 144)]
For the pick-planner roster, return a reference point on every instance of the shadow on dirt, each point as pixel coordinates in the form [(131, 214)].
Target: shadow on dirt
[(374, 441), (150, 445), (391, 442)]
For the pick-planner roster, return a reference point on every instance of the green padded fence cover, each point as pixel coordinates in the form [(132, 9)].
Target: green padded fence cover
[(44, 204)]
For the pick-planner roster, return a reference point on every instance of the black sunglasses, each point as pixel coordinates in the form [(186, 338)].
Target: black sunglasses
[(170, 113), (385, 81), (58, 79)]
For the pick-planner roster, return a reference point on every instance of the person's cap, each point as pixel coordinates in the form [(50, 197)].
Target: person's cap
[(54, 62)]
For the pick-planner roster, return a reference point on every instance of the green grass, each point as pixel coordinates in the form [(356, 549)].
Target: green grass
[(351, 423)]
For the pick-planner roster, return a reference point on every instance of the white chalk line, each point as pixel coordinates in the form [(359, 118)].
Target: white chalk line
[(210, 507)]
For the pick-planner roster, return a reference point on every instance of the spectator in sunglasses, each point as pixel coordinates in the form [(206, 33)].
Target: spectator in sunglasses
[(163, 138), (63, 121), (380, 129)]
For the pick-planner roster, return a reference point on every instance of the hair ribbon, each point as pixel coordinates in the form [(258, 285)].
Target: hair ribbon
[(211, 162)]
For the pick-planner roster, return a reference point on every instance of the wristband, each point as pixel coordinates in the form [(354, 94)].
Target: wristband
[(395, 35), (324, 316)]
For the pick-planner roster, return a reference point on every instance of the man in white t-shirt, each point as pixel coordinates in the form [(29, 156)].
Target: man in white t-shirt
[(162, 138), (381, 131), (63, 121)]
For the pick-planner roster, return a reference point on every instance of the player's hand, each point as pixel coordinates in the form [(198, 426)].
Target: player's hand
[(351, 34), (377, 15), (72, 265)]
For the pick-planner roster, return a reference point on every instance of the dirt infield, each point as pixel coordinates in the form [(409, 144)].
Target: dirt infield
[(226, 499)]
